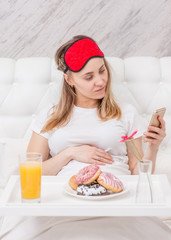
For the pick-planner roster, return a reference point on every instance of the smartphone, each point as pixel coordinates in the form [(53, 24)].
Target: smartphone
[(154, 119)]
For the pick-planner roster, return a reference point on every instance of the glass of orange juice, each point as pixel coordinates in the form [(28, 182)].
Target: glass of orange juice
[(30, 177)]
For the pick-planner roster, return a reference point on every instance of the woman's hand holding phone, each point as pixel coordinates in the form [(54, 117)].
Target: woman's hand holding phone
[(156, 129)]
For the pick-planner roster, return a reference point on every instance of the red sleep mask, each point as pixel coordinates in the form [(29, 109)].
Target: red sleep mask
[(79, 53)]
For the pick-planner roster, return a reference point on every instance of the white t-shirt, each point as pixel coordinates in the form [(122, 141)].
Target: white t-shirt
[(85, 127)]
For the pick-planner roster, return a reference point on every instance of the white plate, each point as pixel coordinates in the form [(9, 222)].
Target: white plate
[(71, 192)]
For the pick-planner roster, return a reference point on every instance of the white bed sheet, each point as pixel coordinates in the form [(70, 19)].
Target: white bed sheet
[(63, 228)]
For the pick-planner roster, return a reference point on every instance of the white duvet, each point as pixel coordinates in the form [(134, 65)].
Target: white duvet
[(81, 228)]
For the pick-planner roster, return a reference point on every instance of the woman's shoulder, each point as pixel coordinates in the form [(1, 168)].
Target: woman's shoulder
[(41, 119), (45, 113), (131, 119), (47, 110)]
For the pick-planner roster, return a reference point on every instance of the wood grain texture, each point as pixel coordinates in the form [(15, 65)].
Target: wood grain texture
[(122, 28)]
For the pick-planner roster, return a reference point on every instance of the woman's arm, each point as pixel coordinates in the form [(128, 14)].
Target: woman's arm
[(84, 153), (154, 138), (150, 154), (49, 166)]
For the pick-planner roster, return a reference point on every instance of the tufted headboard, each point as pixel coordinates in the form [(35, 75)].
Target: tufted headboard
[(27, 85)]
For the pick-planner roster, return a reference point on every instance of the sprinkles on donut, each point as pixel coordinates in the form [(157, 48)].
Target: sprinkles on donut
[(88, 174)]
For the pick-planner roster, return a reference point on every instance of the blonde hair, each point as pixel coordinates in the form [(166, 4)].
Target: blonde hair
[(107, 106)]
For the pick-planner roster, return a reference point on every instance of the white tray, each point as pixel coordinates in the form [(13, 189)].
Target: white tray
[(56, 202)]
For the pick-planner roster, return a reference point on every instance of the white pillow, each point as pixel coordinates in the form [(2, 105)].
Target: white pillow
[(163, 163)]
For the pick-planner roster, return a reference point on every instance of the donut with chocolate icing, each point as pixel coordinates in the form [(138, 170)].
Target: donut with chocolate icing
[(110, 182), (92, 189), (88, 174)]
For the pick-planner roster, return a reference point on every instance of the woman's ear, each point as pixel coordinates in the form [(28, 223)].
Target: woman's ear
[(68, 79)]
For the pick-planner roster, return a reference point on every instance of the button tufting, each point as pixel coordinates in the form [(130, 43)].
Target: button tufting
[(51, 83), (33, 116), (124, 82), (14, 84)]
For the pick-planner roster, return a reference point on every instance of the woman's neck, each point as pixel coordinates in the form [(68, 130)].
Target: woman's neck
[(87, 104)]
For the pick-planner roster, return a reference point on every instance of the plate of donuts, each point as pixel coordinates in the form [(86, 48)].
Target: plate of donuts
[(108, 194), (91, 183)]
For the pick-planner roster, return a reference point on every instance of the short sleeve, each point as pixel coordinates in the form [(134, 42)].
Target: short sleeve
[(132, 120), (41, 120)]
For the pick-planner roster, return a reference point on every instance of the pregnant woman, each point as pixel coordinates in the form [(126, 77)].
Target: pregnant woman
[(85, 128)]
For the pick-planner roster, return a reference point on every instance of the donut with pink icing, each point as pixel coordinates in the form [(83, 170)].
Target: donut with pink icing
[(110, 182), (88, 174)]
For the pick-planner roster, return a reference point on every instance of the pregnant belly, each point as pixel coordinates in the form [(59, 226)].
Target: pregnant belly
[(118, 167)]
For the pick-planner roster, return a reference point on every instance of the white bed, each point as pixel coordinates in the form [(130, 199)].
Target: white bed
[(27, 85)]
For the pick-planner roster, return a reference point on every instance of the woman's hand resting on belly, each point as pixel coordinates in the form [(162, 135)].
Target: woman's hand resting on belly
[(51, 166), (91, 155)]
